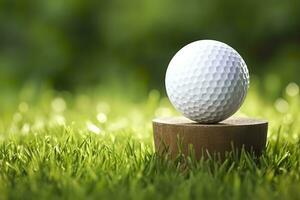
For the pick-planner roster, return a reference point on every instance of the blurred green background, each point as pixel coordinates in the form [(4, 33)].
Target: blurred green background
[(79, 43)]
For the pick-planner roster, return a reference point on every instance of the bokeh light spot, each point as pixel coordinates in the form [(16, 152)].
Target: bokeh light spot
[(93, 128), (281, 105), (101, 117), (58, 104), (292, 89)]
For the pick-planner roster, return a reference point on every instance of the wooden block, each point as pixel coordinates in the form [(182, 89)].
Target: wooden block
[(178, 134)]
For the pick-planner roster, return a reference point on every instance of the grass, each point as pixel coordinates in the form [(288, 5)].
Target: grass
[(92, 144)]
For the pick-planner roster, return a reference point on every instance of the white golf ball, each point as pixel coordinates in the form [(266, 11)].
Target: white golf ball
[(207, 81)]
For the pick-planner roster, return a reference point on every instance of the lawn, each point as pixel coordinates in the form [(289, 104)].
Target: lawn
[(98, 143)]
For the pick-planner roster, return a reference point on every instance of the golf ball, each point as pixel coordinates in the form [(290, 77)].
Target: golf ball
[(207, 81)]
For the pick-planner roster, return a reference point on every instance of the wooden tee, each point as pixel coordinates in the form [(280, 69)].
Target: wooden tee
[(178, 135)]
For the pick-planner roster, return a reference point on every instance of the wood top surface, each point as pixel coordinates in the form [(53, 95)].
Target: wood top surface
[(232, 121)]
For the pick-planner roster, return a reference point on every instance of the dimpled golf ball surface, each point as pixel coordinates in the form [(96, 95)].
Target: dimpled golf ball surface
[(207, 81)]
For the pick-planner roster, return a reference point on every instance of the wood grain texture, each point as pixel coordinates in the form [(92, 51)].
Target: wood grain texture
[(178, 134)]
